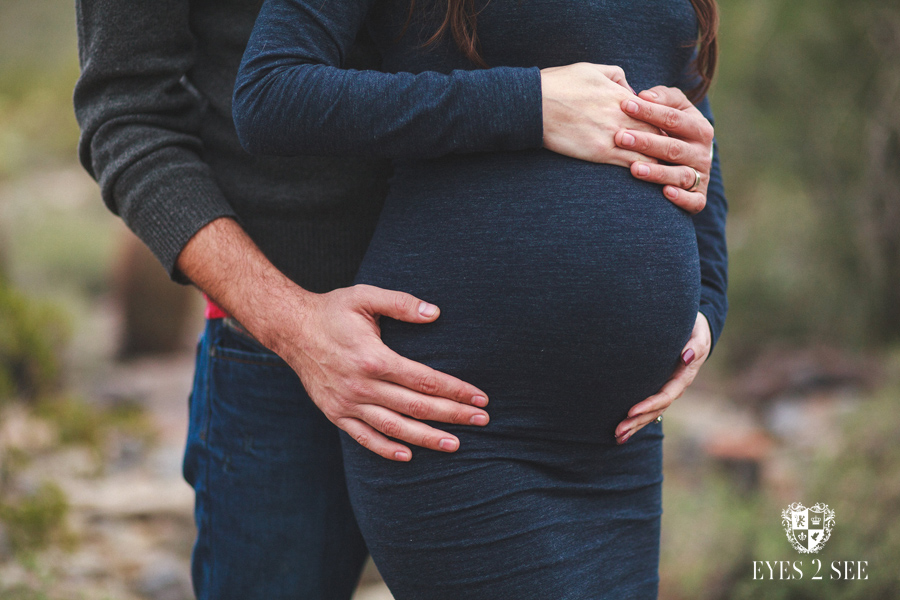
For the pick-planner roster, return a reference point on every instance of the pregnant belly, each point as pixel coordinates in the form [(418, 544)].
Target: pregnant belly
[(566, 289)]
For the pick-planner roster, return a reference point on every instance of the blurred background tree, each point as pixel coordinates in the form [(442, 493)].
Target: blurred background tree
[(808, 108)]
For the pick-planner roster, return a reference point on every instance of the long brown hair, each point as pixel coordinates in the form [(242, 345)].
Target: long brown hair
[(461, 19)]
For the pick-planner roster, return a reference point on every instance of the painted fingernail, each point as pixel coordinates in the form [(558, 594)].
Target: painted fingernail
[(448, 445), (624, 438), (632, 89), (688, 356), (480, 420), (632, 107), (671, 192), (627, 139), (427, 310), (479, 401), (404, 456), (643, 170)]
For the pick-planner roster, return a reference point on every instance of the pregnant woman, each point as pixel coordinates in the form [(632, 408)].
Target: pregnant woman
[(568, 288)]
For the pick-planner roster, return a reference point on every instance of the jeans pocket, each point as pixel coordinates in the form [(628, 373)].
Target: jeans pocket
[(234, 343)]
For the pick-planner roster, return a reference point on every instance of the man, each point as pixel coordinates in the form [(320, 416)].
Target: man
[(274, 243)]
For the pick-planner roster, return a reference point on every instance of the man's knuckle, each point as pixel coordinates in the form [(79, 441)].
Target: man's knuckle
[(643, 143), (390, 427), (367, 365), (419, 409), (340, 408), (428, 384), (459, 417), (402, 302), (363, 440), (356, 389)]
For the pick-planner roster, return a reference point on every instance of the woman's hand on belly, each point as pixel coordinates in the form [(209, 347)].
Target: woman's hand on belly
[(333, 342), (582, 112), (692, 358), (687, 145)]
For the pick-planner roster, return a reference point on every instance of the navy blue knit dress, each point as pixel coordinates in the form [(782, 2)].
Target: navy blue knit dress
[(567, 288)]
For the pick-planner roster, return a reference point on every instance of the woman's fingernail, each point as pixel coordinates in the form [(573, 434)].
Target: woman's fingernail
[(671, 192), (632, 107), (479, 420), (643, 170), (654, 94), (688, 356), (427, 310), (479, 401), (448, 445), (624, 438), (632, 89), (404, 456), (627, 139)]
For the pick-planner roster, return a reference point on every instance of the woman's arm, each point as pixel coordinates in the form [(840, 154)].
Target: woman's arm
[(293, 97)]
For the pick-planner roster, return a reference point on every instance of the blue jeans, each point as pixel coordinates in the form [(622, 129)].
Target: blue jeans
[(273, 518)]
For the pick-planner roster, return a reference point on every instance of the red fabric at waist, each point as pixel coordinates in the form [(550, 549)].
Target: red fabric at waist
[(213, 311)]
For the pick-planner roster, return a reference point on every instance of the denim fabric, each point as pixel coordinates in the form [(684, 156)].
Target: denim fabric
[(272, 513)]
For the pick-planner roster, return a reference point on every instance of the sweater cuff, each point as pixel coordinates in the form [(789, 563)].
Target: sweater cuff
[(165, 203), (715, 318)]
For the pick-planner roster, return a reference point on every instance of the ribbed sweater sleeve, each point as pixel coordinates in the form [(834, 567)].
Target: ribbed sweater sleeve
[(710, 227), (139, 121), (292, 97)]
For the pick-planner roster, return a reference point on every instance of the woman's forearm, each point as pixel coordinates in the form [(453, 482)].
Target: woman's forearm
[(293, 96)]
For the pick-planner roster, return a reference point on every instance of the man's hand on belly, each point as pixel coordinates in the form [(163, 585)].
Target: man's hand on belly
[(363, 386), (685, 147), (333, 342), (692, 358)]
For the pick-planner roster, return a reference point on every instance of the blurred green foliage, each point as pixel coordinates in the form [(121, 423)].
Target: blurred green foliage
[(78, 422), (35, 520), (808, 118), (38, 67), (32, 335)]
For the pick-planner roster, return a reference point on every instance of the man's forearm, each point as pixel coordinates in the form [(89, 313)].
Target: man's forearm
[(229, 267), (332, 341)]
